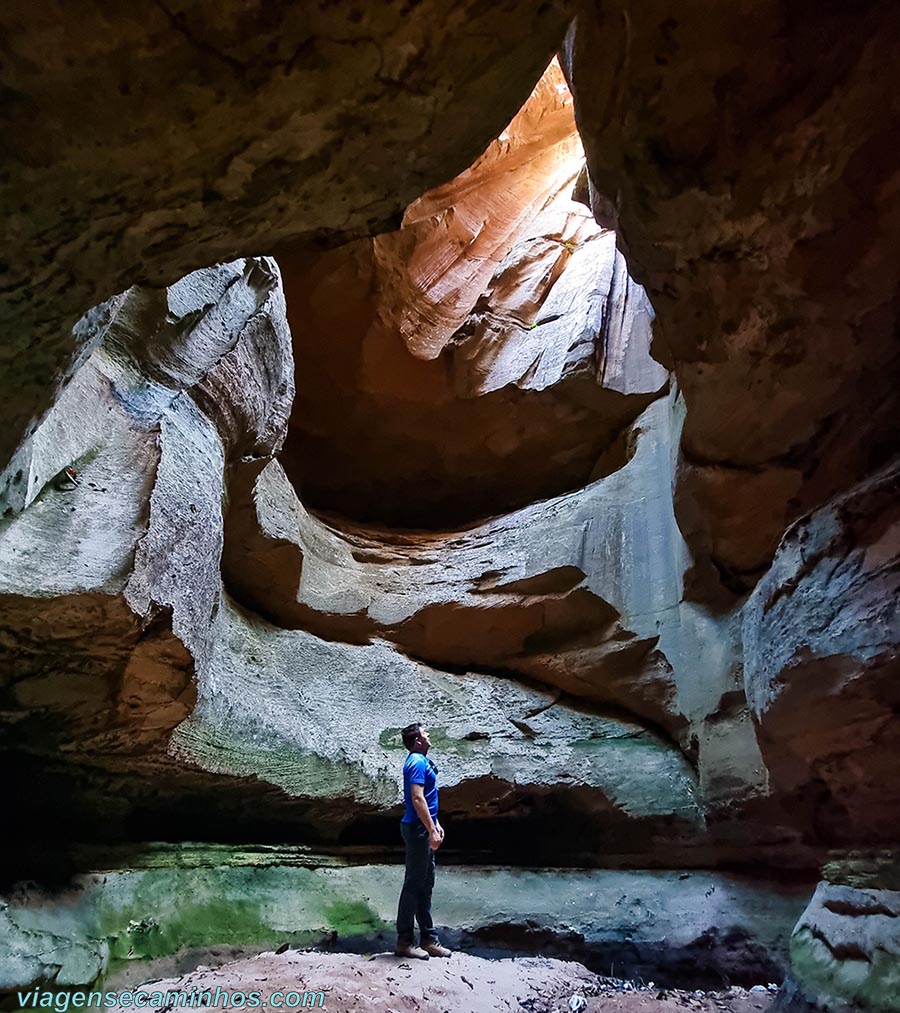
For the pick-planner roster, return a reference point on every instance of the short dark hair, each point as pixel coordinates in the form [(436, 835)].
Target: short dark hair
[(410, 733)]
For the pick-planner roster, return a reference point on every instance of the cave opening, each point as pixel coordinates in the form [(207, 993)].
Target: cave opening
[(491, 352)]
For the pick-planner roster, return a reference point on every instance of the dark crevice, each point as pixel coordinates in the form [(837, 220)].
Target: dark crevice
[(840, 951), (863, 907), (179, 22)]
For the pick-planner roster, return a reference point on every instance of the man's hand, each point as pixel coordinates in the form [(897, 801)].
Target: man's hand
[(436, 839)]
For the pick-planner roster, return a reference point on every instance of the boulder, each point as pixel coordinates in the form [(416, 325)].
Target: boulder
[(845, 949), (821, 635)]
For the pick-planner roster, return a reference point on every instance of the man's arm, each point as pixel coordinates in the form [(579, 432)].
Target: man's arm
[(435, 834)]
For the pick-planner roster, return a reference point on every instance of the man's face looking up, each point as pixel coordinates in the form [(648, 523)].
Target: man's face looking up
[(423, 742)]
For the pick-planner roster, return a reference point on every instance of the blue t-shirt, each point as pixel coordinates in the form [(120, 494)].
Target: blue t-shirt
[(418, 769)]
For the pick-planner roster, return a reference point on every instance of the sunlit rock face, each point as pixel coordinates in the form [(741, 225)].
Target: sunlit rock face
[(549, 645), (748, 160), (136, 687), (490, 353), (143, 147), (113, 530)]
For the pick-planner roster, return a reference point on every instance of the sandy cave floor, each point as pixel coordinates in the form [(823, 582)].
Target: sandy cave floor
[(382, 983)]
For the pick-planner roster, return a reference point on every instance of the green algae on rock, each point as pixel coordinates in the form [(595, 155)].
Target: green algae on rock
[(123, 926)]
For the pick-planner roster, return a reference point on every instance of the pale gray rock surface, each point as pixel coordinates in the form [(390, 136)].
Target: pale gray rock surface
[(187, 397), (155, 919), (845, 949), (110, 583)]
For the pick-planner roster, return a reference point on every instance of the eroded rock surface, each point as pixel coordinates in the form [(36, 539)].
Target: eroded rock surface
[(747, 159), (240, 635), (235, 128), (821, 662), (110, 574), (443, 599), (845, 949), (491, 352), (511, 524), (130, 672)]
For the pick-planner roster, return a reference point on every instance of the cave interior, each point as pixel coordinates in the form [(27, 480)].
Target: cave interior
[(531, 373)]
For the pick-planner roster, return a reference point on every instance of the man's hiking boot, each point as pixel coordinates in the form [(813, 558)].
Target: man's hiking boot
[(436, 950), (415, 952)]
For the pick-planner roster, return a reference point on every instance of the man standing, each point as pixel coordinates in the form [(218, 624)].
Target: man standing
[(422, 835)]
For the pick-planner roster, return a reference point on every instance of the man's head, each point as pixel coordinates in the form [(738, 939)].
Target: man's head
[(415, 738)]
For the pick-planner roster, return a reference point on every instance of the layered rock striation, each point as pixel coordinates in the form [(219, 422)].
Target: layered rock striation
[(820, 662), (496, 338), (540, 642), (138, 683)]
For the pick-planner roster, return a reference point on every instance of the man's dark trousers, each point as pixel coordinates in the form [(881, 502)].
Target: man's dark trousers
[(415, 897)]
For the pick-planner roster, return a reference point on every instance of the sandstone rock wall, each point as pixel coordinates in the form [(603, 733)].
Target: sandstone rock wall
[(547, 648), (545, 645), (144, 144), (747, 158), (821, 667), (111, 570), (642, 586), (491, 352), (130, 669)]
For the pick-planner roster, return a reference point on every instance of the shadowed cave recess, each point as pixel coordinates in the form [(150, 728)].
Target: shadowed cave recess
[(529, 371)]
